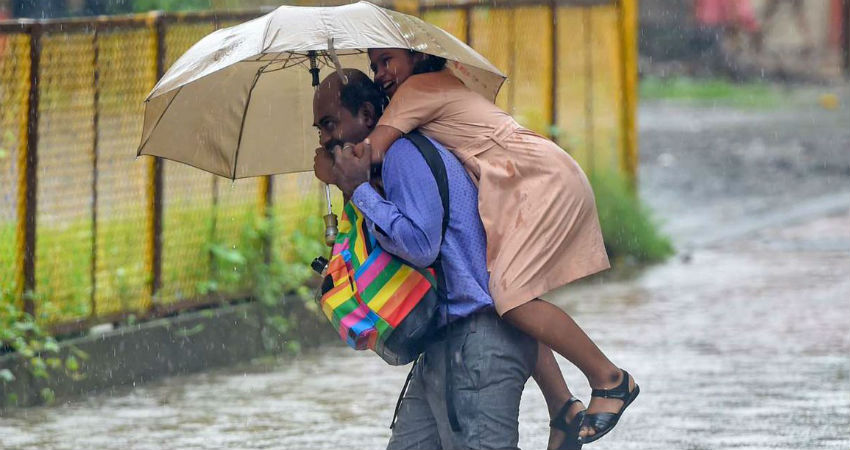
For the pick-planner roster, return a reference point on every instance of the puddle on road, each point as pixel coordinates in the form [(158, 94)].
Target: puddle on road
[(740, 347)]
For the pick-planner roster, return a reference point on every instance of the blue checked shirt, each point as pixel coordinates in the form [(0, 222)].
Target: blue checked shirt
[(408, 223)]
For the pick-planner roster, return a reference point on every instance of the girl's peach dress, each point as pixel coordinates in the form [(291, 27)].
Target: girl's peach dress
[(535, 202)]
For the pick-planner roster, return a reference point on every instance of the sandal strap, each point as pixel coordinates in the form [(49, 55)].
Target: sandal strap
[(560, 419), (621, 392)]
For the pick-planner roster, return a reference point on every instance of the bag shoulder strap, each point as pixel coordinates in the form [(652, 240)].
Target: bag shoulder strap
[(438, 169)]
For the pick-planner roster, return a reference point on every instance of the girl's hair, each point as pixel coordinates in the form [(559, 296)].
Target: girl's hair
[(430, 63)]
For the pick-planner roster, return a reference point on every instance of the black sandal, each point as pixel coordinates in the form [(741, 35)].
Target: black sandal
[(602, 423), (571, 441)]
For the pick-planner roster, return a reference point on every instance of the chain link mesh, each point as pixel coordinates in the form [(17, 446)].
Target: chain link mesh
[(188, 201), (531, 68), (491, 34), (518, 41), (573, 84), (65, 176), (127, 70), (452, 20), (607, 94)]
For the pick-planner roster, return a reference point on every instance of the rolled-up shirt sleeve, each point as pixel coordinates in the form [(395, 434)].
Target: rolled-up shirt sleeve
[(408, 222)]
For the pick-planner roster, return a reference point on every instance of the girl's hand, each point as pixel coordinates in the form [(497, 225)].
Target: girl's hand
[(323, 166)]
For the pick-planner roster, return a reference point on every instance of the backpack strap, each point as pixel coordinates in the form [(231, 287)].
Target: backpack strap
[(438, 169)]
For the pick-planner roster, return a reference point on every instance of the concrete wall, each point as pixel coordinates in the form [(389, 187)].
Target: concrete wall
[(183, 344)]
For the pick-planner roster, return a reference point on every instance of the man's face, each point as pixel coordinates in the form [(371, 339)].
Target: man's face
[(336, 124)]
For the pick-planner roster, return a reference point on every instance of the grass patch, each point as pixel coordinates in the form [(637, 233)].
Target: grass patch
[(711, 91), (627, 225)]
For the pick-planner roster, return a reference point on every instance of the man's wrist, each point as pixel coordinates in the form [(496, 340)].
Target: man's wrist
[(349, 184), (354, 188)]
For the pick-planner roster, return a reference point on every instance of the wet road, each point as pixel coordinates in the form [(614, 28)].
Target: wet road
[(744, 346), (740, 342)]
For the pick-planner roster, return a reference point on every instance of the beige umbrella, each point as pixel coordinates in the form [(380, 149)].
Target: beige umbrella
[(238, 103)]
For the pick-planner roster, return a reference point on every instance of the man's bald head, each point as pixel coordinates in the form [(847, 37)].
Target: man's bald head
[(346, 112), (358, 89)]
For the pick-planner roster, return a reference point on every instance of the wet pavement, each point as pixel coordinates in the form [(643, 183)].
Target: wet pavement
[(740, 341), (730, 166)]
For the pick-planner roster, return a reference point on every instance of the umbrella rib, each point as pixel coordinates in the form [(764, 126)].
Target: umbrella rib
[(244, 116), (266, 32), (266, 47), (285, 61), (139, 152)]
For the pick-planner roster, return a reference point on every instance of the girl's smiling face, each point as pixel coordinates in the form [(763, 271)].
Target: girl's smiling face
[(392, 66)]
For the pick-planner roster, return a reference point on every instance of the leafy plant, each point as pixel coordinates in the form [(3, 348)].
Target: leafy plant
[(627, 225), (268, 269), (21, 333)]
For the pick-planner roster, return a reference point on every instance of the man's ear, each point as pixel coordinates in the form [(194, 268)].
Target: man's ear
[(367, 115)]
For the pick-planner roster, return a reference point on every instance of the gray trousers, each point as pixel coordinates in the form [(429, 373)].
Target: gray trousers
[(491, 361)]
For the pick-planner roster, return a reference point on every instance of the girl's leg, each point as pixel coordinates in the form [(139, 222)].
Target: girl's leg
[(548, 376), (551, 326)]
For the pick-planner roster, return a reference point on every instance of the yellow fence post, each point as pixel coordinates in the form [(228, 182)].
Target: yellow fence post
[(589, 113), (406, 6), (20, 220), (263, 197), (27, 177), (553, 97), (265, 203), (628, 23), (95, 124), (153, 248)]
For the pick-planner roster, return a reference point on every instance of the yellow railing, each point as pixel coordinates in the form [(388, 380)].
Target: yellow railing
[(91, 235)]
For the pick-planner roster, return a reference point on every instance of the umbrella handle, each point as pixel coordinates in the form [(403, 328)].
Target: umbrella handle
[(335, 59), (331, 229), (328, 198), (314, 67)]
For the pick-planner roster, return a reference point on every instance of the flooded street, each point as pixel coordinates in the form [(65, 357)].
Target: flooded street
[(739, 341)]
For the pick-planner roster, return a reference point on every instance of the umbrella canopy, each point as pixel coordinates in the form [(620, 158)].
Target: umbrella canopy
[(239, 102)]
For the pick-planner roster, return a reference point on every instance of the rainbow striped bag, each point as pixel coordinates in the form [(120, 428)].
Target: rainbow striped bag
[(376, 300)]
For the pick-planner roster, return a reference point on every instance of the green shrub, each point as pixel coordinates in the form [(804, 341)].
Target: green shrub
[(627, 226), (21, 333), (270, 263)]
